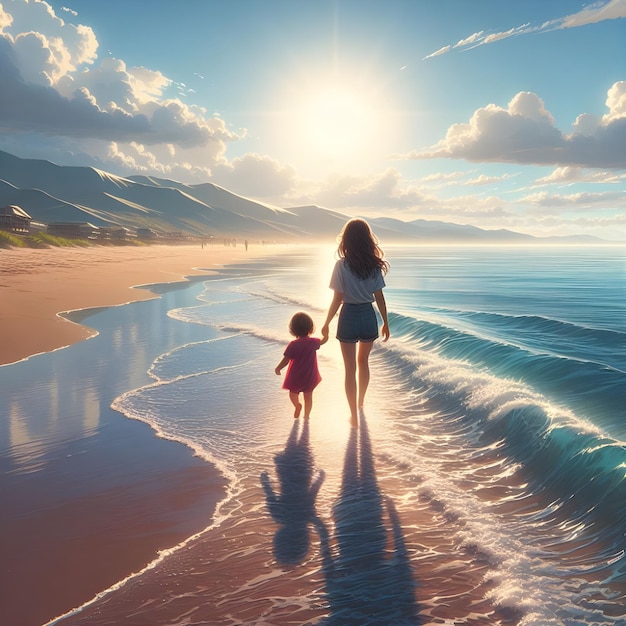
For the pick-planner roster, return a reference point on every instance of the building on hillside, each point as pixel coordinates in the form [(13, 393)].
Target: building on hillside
[(14, 219), (146, 233), (73, 230), (114, 232)]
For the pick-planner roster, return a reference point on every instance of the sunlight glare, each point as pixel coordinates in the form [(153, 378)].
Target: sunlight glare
[(335, 121)]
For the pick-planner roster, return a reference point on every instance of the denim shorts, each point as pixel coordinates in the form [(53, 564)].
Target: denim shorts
[(357, 322)]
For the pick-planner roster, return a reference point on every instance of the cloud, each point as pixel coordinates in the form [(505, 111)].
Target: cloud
[(50, 84), (255, 175), (442, 180), (594, 13), (114, 85), (66, 45), (524, 133), (519, 30), (438, 52), (569, 175), (5, 19), (591, 14), (483, 180), (577, 201), (439, 178), (469, 40), (386, 191)]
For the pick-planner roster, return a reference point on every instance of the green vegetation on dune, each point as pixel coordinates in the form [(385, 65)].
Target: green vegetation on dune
[(44, 240)]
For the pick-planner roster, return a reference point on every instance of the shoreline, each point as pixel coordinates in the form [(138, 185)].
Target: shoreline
[(114, 496), (39, 288)]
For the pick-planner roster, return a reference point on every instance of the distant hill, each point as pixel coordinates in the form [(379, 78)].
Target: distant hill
[(51, 193)]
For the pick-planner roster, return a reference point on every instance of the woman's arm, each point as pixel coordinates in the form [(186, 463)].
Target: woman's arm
[(332, 311), (382, 308)]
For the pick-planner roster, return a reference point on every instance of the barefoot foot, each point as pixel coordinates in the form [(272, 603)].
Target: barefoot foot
[(296, 413)]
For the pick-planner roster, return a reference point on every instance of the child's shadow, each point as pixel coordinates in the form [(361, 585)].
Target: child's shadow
[(294, 507)]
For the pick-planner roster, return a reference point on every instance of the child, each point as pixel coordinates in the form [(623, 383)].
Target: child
[(302, 373)]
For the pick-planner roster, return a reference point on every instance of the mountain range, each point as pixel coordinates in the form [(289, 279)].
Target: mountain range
[(55, 193)]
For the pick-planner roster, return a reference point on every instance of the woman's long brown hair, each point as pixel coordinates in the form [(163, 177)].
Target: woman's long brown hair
[(359, 247)]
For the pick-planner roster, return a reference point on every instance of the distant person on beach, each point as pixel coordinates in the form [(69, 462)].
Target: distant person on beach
[(301, 355), (357, 281)]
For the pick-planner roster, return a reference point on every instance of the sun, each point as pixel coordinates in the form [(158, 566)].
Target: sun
[(335, 122)]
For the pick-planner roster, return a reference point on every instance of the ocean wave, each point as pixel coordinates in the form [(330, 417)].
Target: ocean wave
[(589, 388), (571, 464)]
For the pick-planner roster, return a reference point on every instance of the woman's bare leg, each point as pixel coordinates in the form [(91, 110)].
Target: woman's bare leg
[(293, 396), (348, 350), (308, 403), (363, 367)]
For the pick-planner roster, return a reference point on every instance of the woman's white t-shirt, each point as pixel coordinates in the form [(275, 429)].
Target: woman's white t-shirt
[(355, 290)]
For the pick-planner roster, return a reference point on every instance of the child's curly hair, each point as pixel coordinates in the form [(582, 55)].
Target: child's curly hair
[(301, 325)]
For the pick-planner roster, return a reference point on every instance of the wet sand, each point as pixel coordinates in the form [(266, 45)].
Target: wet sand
[(230, 575), (95, 507)]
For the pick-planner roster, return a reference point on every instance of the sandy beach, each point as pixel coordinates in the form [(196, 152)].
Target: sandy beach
[(112, 496), (38, 284)]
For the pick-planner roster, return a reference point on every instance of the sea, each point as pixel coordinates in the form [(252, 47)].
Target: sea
[(485, 483)]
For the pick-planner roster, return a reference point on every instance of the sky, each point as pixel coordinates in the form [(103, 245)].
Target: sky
[(484, 112)]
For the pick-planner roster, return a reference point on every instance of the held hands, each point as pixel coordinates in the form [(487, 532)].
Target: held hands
[(324, 332)]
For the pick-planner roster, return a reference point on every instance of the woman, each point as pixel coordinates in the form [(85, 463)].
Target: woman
[(357, 281)]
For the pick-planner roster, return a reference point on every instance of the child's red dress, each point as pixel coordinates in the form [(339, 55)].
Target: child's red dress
[(302, 372)]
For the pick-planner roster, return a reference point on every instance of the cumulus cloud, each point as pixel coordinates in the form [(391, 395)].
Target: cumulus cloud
[(385, 190), (255, 175), (163, 160), (66, 45), (50, 83), (5, 19), (525, 133)]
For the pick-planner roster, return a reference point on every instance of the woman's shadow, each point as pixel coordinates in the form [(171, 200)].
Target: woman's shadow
[(367, 580), (293, 508)]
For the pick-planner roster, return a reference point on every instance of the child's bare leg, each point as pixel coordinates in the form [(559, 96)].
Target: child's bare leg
[(293, 396), (308, 403)]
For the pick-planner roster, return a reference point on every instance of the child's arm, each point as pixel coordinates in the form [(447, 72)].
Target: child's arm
[(281, 365)]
